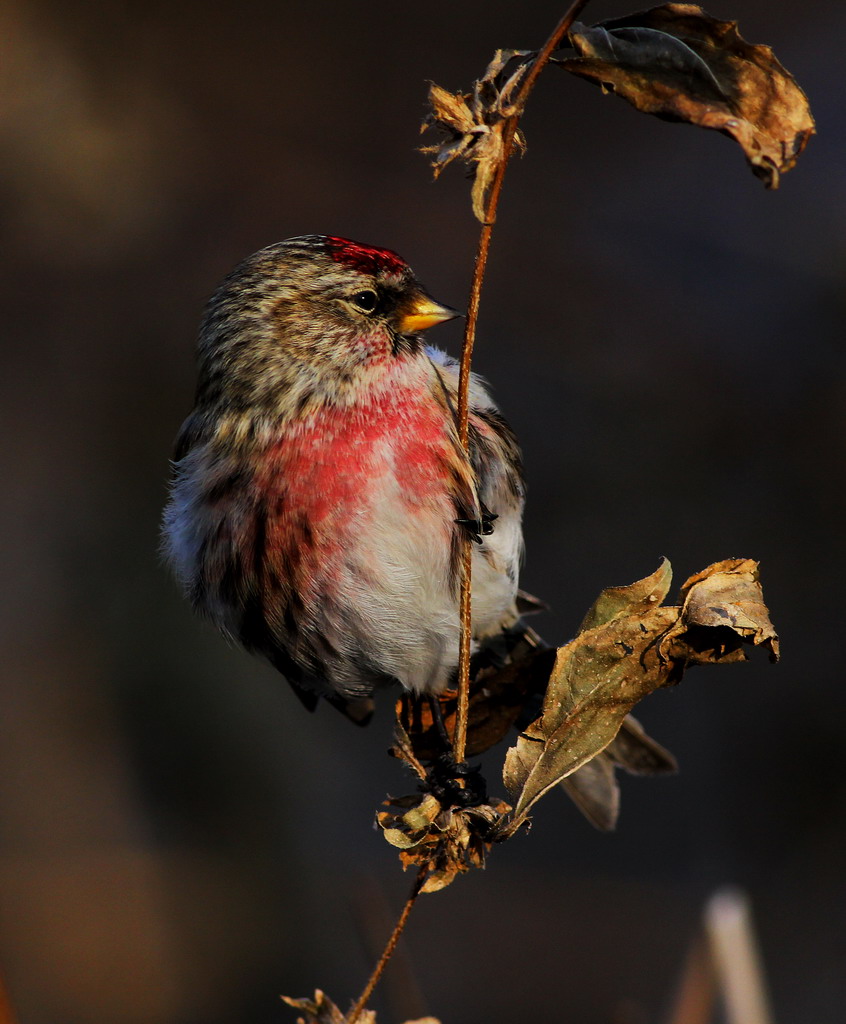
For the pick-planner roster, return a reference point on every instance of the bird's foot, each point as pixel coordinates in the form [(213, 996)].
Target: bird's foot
[(457, 783), (478, 528)]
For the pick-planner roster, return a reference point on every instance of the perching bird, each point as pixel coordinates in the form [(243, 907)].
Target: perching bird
[(320, 491)]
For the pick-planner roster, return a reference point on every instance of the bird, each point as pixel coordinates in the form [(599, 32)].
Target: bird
[(320, 494)]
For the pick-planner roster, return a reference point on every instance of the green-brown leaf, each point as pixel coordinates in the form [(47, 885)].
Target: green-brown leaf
[(629, 646)]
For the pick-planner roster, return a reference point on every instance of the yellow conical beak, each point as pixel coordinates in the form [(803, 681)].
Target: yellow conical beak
[(423, 312)]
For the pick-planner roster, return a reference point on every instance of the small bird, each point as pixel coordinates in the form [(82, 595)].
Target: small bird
[(320, 493)]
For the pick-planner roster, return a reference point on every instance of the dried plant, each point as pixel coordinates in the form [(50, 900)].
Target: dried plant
[(571, 705)]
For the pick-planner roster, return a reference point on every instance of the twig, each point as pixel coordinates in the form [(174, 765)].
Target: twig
[(460, 734), (387, 952), (465, 618), (374, 917), (549, 47)]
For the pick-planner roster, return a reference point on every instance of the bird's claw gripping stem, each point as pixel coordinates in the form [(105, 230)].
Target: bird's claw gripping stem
[(445, 782), (478, 528)]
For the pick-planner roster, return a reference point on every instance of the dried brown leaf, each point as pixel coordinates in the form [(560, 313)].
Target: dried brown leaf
[(593, 788), (403, 748), (629, 644), (727, 601), (639, 754), (487, 156), (473, 123), (321, 1010), (408, 830), (629, 647), (493, 72), (450, 109), (638, 598), (677, 62), (446, 841)]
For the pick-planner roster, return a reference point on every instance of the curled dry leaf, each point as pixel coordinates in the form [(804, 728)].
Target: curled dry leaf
[(677, 62), (444, 841), (473, 123), (321, 1010), (630, 644), (723, 607)]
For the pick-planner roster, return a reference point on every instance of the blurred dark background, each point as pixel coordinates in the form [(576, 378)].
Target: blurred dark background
[(180, 841)]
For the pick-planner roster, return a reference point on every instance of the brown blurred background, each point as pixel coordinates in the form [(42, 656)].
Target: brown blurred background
[(180, 841)]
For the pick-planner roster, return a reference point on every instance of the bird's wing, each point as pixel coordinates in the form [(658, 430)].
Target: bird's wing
[(494, 452)]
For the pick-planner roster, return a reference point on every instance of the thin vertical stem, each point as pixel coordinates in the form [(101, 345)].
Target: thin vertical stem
[(460, 735), (387, 952), (465, 610), (462, 711)]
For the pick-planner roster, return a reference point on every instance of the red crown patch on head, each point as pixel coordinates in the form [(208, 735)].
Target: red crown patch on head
[(366, 258)]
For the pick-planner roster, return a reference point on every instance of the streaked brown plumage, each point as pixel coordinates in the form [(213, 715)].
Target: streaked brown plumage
[(319, 478)]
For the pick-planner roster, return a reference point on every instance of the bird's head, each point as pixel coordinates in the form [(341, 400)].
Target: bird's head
[(310, 317)]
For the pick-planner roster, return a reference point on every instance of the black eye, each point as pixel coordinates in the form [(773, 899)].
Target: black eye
[(365, 301)]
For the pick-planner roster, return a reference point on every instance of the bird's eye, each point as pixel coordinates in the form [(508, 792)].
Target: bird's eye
[(365, 301)]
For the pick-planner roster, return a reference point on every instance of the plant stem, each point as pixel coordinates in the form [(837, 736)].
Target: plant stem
[(460, 734), (465, 618), (459, 741), (387, 952)]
